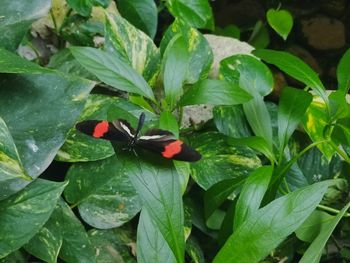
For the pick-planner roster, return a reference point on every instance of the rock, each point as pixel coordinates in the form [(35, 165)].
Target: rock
[(333, 8), (324, 33), (279, 82)]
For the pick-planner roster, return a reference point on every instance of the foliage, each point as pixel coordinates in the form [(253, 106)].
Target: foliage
[(270, 174)]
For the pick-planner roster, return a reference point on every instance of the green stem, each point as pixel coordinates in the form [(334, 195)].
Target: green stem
[(331, 210), (54, 21), (340, 152)]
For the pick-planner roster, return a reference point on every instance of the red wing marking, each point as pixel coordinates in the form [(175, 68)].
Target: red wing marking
[(100, 129), (172, 149)]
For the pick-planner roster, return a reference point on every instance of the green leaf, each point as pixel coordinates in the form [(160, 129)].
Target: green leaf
[(254, 76), (16, 257), (250, 243), (294, 67), (16, 17), (51, 111), (167, 121), (256, 143), (142, 14), (219, 192), (151, 246), (314, 251), (113, 245), (194, 250), (174, 69), (230, 120), (343, 72), (133, 46), (281, 21), (196, 13), (220, 160), (82, 7), (339, 107), (260, 37), (159, 188), (292, 107), (104, 195), (11, 169), (228, 31), (24, 214), (112, 70), (252, 194), (78, 146), (201, 55), (215, 92)]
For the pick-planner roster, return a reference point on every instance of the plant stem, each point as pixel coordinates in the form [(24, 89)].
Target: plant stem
[(331, 210)]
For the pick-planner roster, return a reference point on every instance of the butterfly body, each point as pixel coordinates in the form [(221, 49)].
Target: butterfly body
[(158, 141)]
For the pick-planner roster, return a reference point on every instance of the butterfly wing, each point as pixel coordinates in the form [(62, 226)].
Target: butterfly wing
[(118, 130), (165, 143)]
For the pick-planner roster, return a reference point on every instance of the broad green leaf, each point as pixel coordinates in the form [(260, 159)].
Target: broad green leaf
[(16, 17), (219, 192), (174, 69), (104, 195), (228, 31), (256, 143), (251, 243), (220, 160), (45, 245), (11, 169), (113, 245), (79, 147), (24, 214), (201, 55), (167, 121), (281, 21), (292, 107), (16, 257), (112, 70), (315, 121), (183, 170), (82, 7), (343, 72), (196, 13), (313, 226), (260, 37), (259, 119), (39, 117), (294, 67), (338, 105), (314, 251), (133, 46), (159, 189), (151, 246), (252, 194), (215, 92), (230, 120), (142, 14), (254, 76)]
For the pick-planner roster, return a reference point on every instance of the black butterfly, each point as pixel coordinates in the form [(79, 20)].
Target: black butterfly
[(158, 141)]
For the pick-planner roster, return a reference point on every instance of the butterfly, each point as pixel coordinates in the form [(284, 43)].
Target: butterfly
[(161, 142)]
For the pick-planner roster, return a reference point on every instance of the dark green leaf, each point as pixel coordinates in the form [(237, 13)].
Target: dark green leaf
[(133, 46), (158, 187), (112, 70), (252, 194), (314, 251), (194, 250), (339, 107), (24, 214), (343, 72), (292, 107), (16, 17), (294, 67), (281, 21), (260, 37), (254, 76), (82, 7), (175, 65), (201, 55), (151, 246), (196, 13), (141, 13), (16, 257), (113, 245), (230, 120), (104, 195), (251, 243), (229, 31), (215, 92), (167, 121), (220, 160), (219, 192)]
